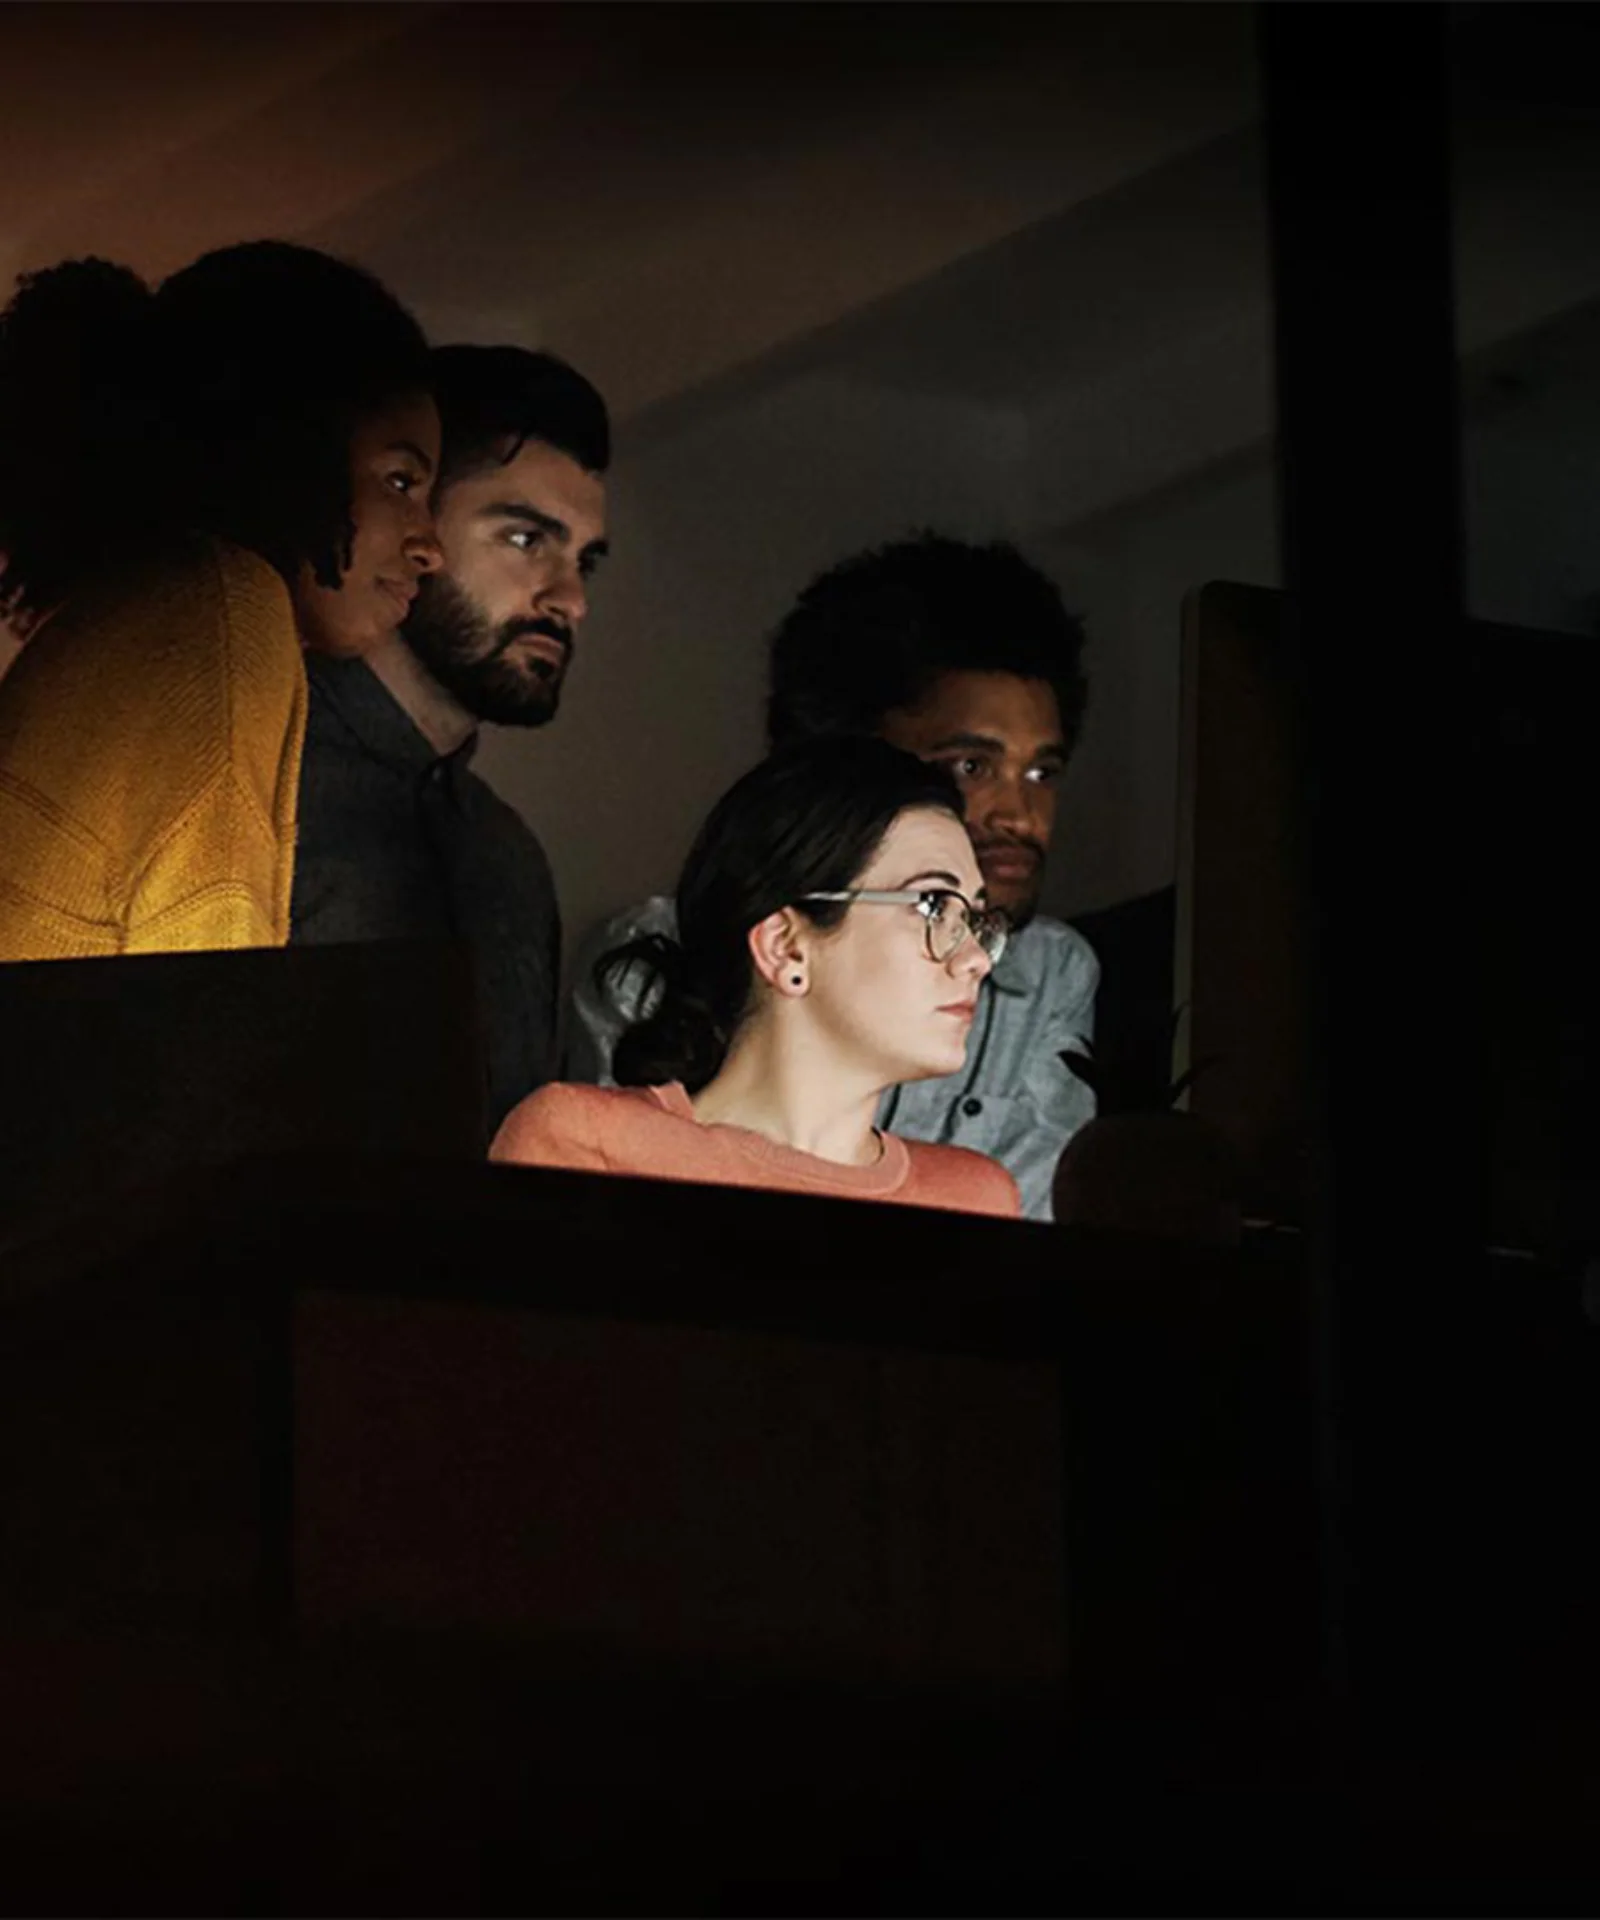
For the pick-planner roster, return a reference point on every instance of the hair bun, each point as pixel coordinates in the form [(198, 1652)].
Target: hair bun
[(74, 335), (675, 1035), (76, 410), (74, 294)]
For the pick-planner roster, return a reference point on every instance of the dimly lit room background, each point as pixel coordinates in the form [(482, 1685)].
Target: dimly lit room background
[(383, 1531), (842, 271)]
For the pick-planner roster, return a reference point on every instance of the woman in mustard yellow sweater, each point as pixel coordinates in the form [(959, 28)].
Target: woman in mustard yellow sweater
[(195, 484)]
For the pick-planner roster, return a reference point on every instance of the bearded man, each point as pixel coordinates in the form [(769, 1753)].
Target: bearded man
[(399, 838)]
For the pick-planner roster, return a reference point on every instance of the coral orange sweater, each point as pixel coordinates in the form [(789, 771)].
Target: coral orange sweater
[(149, 763), (652, 1131)]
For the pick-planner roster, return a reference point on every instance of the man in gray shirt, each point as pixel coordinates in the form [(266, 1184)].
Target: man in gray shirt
[(965, 655), (398, 838)]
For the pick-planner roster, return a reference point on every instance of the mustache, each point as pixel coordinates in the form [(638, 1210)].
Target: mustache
[(514, 630), (1032, 848)]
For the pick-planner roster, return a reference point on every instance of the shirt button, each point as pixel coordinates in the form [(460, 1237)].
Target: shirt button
[(972, 1108)]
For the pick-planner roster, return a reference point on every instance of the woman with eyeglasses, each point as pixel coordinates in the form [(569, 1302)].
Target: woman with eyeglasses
[(831, 942)]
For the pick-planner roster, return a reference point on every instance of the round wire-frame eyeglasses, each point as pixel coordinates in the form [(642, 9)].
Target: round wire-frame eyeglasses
[(949, 917)]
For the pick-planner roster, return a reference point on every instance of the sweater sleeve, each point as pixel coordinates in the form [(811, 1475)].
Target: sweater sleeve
[(1001, 1196), (150, 742), (217, 873), (962, 1180), (553, 1127), (213, 882)]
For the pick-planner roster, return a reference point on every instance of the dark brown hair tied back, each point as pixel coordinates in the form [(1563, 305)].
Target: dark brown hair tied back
[(808, 819), (680, 1036)]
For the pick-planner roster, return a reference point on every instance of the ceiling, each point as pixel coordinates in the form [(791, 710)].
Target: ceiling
[(1054, 209), (666, 193)]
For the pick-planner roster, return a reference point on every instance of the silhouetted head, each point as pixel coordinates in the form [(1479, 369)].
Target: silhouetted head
[(268, 394), (961, 653)]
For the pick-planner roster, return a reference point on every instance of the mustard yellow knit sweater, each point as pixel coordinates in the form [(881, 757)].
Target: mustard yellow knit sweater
[(150, 745)]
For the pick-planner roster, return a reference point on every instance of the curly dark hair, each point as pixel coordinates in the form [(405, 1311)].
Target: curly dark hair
[(870, 636), (222, 403), (77, 417)]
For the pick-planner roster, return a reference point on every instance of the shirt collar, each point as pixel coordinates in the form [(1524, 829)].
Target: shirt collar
[(1012, 973), (376, 718)]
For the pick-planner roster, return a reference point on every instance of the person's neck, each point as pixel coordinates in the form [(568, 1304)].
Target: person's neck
[(436, 714), (779, 1080)]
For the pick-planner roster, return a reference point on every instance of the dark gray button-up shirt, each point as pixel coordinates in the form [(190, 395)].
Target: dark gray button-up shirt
[(399, 842), (1013, 1100)]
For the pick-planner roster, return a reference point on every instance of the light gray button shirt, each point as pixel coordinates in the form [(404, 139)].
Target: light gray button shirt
[(1014, 1100)]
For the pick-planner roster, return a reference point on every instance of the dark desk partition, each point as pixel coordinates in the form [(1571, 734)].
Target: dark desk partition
[(116, 1072), (678, 1421), (379, 1536), (688, 1511)]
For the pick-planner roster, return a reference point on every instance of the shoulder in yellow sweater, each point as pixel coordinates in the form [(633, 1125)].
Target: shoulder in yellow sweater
[(150, 741)]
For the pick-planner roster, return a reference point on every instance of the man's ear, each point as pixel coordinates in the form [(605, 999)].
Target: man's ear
[(777, 951)]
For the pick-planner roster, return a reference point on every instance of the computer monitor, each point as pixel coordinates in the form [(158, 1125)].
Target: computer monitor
[(1243, 958)]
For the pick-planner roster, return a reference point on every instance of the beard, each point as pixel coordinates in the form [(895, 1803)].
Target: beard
[(1020, 912), (467, 654)]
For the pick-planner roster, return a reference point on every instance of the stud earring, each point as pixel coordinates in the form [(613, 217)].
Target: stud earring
[(797, 979)]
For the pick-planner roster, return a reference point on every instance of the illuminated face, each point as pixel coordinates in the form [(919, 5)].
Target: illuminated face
[(874, 992), (521, 541), (394, 455), (1000, 735)]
